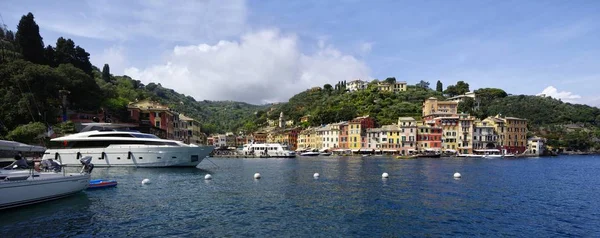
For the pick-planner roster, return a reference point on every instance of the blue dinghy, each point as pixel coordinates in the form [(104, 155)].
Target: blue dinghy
[(102, 183)]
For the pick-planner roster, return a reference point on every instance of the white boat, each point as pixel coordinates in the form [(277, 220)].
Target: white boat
[(125, 148), (310, 153), (268, 150), (325, 153), (19, 187)]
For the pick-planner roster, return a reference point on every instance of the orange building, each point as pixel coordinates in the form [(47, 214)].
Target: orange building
[(433, 108)]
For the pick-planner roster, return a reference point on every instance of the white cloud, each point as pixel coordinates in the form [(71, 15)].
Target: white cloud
[(114, 57), (366, 47), (181, 20), (565, 96), (264, 66)]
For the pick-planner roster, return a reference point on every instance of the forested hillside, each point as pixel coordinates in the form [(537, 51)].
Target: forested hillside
[(34, 78)]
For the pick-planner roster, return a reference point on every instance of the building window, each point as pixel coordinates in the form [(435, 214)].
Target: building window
[(157, 124)]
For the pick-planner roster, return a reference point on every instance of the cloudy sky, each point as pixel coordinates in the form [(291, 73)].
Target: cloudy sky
[(268, 50)]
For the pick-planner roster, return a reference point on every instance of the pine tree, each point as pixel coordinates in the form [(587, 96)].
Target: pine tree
[(106, 73), (29, 40), (439, 87), (50, 55)]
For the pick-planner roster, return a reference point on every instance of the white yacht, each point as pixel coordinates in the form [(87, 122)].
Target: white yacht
[(268, 150), (125, 148), (24, 186)]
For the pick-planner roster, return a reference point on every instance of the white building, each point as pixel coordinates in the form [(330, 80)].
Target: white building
[(536, 145), (329, 136), (356, 85), (460, 98)]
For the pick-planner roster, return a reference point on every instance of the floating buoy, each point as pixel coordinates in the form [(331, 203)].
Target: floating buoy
[(316, 175), (146, 181), (207, 177), (385, 175), (457, 175), (257, 176)]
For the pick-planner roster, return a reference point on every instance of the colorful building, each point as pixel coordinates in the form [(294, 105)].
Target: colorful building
[(484, 136), (395, 87), (344, 131), (259, 137), (429, 137), (515, 135), (357, 132), (190, 130), (408, 135), (450, 133), (153, 114), (465, 136), (433, 108)]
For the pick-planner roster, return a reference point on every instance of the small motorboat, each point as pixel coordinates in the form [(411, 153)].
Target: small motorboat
[(325, 154), (101, 183), (310, 153)]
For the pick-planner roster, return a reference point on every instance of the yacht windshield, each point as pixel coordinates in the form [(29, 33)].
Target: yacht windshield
[(145, 136)]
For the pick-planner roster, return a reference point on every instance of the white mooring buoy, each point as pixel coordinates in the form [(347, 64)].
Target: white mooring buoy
[(257, 176), (316, 175), (146, 181), (385, 175), (207, 177), (457, 175)]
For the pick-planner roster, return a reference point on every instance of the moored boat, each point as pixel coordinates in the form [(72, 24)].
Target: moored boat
[(21, 184), (268, 150), (310, 153), (118, 147), (101, 183)]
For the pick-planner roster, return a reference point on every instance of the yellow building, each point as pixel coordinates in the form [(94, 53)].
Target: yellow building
[(465, 136), (354, 136), (396, 87), (191, 130), (304, 139), (511, 133), (433, 108), (393, 142), (450, 133)]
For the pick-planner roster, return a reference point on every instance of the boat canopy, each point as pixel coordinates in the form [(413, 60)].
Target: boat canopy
[(431, 149), (366, 150), (340, 150), (450, 150), (17, 146)]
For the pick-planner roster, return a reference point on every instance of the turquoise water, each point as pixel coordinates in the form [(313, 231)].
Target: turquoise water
[(535, 197)]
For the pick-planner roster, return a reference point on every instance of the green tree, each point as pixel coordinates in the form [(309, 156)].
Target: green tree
[(49, 54), (65, 128), (10, 36), (106, 73), (29, 133), (390, 80), (29, 40), (327, 87), (451, 91), (462, 87), (466, 105), (439, 87), (423, 84)]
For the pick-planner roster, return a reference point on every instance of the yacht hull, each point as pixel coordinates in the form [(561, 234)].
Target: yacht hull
[(40, 189), (133, 156)]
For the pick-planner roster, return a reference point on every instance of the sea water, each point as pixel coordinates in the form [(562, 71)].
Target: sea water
[(533, 197)]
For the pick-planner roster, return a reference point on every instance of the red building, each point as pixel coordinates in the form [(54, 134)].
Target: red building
[(343, 142), (429, 137), (153, 114)]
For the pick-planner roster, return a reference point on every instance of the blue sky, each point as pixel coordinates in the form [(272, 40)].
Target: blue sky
[(268, 50)]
